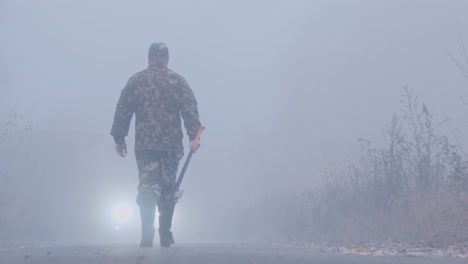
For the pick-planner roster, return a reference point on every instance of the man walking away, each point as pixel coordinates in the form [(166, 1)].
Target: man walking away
[(159, 98)]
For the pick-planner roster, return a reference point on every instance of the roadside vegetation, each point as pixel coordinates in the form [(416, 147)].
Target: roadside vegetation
[(413, 189)]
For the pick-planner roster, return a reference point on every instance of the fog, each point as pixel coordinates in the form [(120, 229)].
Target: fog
[(284, 88)]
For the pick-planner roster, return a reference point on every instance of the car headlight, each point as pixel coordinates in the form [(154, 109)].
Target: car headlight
[(122, 213)]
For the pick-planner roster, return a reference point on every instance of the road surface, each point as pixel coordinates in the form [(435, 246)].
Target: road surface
[(194, 254)]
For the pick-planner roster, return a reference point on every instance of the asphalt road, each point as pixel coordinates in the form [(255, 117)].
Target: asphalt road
[(194, 254)]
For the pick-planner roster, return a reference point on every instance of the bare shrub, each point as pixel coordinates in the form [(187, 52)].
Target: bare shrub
[(463, 64)]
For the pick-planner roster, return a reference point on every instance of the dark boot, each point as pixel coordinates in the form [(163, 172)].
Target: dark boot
[(165, 223), (147, 215)]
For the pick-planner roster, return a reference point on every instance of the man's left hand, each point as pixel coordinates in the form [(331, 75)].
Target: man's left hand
[(121, 149)]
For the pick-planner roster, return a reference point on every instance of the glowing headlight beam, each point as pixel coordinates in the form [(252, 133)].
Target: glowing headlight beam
[(122, 213)]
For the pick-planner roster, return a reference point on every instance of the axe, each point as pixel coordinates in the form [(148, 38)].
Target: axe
[(178, 193)]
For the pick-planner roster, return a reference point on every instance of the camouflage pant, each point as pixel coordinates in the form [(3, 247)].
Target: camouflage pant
[(157, 177)]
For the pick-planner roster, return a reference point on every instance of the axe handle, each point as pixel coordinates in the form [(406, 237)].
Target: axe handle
[(182, 173), (200, 130), (187, 161)]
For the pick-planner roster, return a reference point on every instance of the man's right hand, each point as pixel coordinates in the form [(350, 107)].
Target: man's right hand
[(194, 145), (121, 149)]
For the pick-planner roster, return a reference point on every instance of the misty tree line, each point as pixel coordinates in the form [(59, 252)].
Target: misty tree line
[(416, 159), (15, 140), (413, 189), (418, 168)]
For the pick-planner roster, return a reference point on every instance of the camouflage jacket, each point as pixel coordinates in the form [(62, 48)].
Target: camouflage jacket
[(159, 97)]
